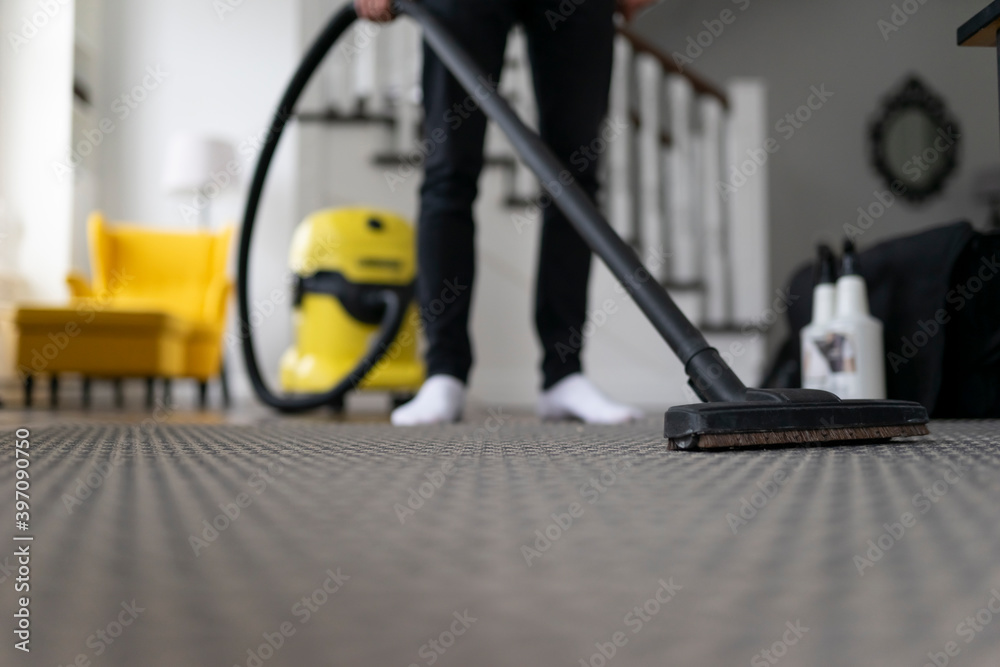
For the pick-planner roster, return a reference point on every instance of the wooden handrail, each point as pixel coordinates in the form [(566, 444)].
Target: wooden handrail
[(701, 85)]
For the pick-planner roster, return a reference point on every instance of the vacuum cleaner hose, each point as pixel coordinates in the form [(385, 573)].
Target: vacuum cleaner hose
[(395, 309), (709, 375)]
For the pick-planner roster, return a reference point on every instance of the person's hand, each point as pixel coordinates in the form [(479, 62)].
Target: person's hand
[(374, 10), (628, 8)]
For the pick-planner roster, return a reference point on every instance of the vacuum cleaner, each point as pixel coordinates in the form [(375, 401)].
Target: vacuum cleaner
[(732, 416), (342, 259)]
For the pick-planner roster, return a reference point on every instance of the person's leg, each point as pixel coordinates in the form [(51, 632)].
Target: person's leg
[(571, 56), (571, 63), (454, 129)]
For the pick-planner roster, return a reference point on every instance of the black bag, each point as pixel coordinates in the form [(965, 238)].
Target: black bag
[(937, 294)]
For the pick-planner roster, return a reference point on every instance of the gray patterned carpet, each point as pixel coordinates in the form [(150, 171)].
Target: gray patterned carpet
[(506, 542)]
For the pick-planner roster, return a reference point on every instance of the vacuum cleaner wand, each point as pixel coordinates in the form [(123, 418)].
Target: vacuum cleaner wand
[(711, 378), (733, 415)]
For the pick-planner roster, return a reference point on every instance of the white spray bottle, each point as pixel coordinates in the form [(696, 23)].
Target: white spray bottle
[(853, 341), (816, 369)]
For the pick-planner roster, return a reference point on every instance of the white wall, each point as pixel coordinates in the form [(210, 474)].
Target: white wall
[(821, 175), (35, 125), (223, 77)]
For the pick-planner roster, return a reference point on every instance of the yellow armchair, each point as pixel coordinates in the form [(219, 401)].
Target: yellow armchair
[(182, 273), (155, 306)]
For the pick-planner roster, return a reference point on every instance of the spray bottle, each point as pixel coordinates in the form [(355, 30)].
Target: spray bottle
[(815, 366), (852, 343)]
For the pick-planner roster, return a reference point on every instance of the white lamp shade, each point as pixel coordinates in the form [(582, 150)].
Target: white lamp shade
[(194, 161)]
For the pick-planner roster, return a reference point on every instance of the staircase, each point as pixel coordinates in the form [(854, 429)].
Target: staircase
[(673, 138)]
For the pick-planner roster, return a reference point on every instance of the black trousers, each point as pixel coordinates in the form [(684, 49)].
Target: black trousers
[(570, 48)]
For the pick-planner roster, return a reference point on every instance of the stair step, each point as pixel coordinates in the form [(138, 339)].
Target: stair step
[(395, 159), (332, 116)]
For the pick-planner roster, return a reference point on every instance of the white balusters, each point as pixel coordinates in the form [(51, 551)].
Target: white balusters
[(652, 233), (363, 47), (717, 269), (620, 163), (405, 83), (681, 182), (747, 203), (662, 195), (337, 76)]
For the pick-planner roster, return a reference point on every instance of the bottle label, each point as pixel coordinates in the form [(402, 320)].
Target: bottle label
[(830, 362)]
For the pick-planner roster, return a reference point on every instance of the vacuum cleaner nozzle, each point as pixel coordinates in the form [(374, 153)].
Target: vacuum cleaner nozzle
[(770, 417)]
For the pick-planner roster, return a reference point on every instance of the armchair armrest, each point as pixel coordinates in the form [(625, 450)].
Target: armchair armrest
[(79, 286)]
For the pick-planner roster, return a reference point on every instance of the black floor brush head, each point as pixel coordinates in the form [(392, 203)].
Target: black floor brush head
[(791, 417)]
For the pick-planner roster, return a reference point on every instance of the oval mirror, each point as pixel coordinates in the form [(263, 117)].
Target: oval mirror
[(914, 142)]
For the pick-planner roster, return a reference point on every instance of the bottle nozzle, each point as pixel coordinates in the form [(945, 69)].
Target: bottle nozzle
[(826, 267), (849, 264)]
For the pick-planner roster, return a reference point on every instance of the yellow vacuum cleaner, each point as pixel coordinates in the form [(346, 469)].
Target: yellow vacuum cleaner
[(343, 260)]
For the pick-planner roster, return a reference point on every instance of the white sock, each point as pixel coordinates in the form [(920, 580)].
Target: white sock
[(576, 396), (439, 401)]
